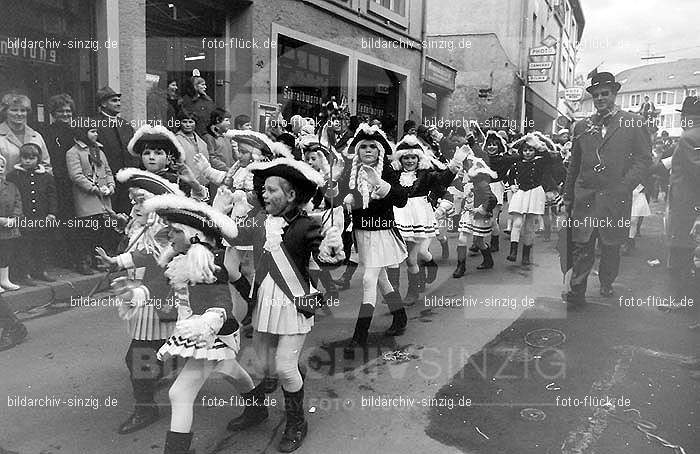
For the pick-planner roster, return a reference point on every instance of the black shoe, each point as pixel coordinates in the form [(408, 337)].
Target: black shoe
[(296, 426), (42, 276), (349, 350), (473, 250), (178, 443), (269, 384), (487, 264), (253, 414), (432, 269), (445, 249), (141, 417), (526, 254), (513, 256), (495, 243), (361, 333), (573, 298), (606, 291), (399, 319)]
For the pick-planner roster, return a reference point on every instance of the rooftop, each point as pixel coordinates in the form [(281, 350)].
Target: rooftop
[(660, 76)]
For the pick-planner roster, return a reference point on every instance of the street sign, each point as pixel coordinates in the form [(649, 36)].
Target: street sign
[(549, 41), (573, 94), (539, 65), (537, 78), (542, 50)]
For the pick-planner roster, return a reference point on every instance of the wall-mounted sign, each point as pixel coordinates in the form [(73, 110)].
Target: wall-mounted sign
[(542, 50), (573, 94), (382, 89), (537, 78), (439, 74), (539, 65)]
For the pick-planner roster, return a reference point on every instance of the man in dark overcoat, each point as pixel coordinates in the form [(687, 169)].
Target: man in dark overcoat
[(114, 134), (610, 156)]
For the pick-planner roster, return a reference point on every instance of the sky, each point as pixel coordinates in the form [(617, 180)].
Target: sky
[(619, 32)]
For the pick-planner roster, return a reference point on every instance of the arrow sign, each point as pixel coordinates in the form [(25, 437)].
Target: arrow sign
[(539, 65), (543, 50), (537, 78), (573, 94)]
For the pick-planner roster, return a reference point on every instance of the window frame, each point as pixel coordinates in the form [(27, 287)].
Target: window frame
[(636, 96), (389, 14)]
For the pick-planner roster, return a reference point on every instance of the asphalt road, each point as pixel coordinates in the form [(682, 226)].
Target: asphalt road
[(493, 373)]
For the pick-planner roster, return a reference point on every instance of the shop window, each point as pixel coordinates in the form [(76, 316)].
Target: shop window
[(378, 95), (308, 76), (394, 10)]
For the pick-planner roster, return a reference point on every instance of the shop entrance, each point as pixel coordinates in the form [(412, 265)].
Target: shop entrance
[(378, 95)]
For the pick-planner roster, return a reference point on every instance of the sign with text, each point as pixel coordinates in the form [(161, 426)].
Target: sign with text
[(573, 94), (539, 65), (542, 50), (537, 78)]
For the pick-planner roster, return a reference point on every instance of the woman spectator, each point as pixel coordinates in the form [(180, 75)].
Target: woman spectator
[(174, 104), (220, 149), (191, 142), (14, 109), (59, 139), (199, 103)]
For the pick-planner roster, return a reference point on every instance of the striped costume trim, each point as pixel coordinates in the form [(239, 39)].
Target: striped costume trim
[(188, 348)]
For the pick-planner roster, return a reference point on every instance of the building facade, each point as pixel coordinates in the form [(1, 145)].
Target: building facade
[(514, 58), (666, 84), (256, 56)]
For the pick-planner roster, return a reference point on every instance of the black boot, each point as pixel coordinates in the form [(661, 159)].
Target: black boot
[(461, 262), (400, 319), (445, 249), (269, 384), (243, 287), (412, 294), (394, 275), (432, 269), (526, 254), (513, 256), (178, 443), (495, 243), (420, 281), (143, 416), (344, 281), (254, 412), (359, 337), (488, 260), (473, 250), (296, 426)]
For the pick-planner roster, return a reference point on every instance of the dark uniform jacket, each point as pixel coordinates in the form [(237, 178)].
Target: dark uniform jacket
[(684, 197), (602, 198)]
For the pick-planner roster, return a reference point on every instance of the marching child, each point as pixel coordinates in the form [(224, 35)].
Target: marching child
[(477, 215), (527, 204)]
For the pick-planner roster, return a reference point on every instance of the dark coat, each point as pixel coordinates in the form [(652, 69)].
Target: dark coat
[(684, 195), (59, 139), (10, 207), (115, 139), (37, 190), (604, 199), (201, 108)]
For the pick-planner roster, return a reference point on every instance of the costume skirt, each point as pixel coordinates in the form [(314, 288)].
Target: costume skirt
[(378, 248), (640, 206), (528, 202), (476, 225), (143, 323), (275, 313), (416, 219), (223, 347), (498, 189)]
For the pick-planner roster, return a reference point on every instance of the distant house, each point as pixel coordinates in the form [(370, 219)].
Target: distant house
[(667, 85)]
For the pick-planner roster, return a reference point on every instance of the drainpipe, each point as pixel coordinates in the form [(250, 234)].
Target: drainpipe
[(523, 63), (424, 10)]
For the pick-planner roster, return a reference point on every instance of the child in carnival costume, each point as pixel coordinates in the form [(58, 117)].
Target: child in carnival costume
[(286, 300), (206, 334), (162, 154), (372, 189), (150, 316), (477, 215), (416, 221)]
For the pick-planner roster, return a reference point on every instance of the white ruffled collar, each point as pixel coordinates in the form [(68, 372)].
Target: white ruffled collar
[(274, 228), (407, 178)]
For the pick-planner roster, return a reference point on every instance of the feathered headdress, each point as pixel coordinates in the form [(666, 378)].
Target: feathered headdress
[(158, 136), (410, 145)]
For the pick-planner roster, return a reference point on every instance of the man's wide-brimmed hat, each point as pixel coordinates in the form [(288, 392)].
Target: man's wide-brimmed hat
[(189, 212), (603, 79), (691, 107), (300, 175), (105, 92)]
